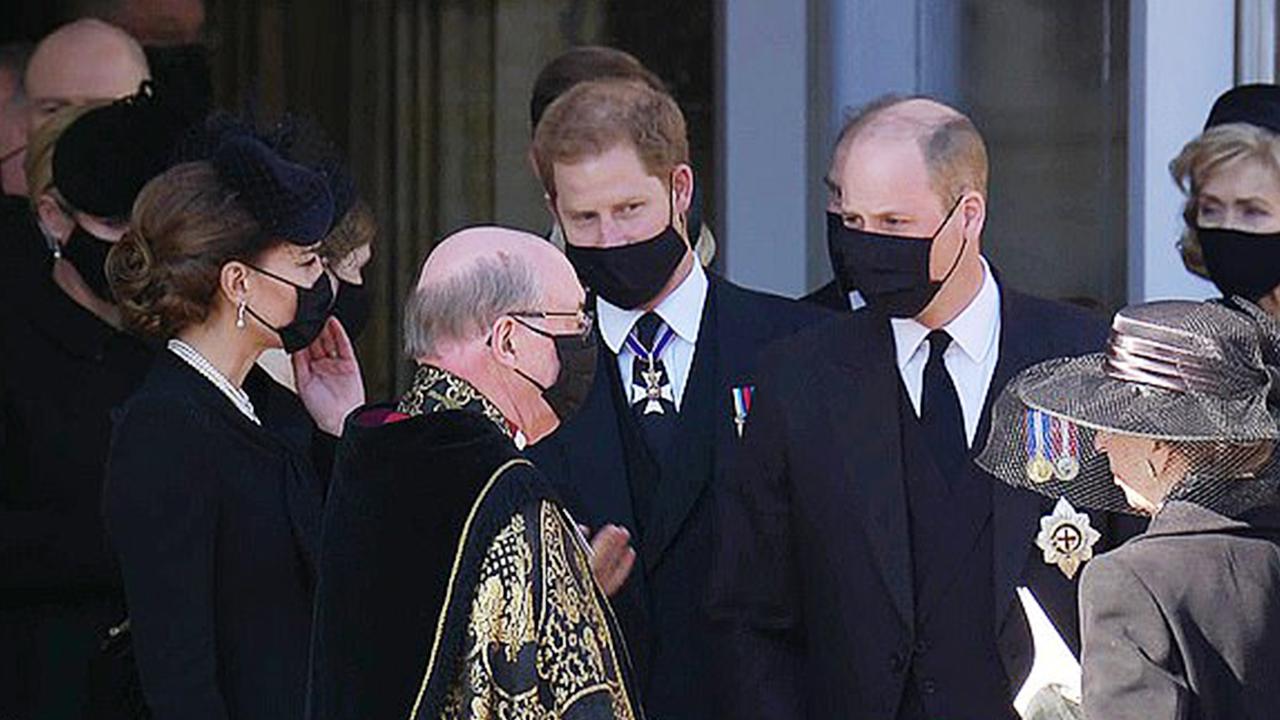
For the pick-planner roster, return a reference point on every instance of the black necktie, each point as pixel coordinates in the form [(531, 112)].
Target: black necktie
[(657, 417), (940, 411)]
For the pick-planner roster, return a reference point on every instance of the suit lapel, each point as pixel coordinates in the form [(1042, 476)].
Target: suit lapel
[(1015, 513), (865, 377), (614, 498)]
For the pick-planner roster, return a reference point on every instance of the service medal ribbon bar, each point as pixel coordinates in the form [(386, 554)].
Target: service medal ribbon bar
[(741, 405)]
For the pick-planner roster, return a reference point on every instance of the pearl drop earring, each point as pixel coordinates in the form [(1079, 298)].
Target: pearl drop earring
[(240, 315)]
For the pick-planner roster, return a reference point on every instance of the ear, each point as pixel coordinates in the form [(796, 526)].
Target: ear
[(1160, 455), (973, 215), (551, 207), (682, 188), (503, 341), (54, 219), (233, 282)]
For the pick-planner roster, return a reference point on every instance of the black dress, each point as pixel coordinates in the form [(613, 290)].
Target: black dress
[(62, 372), (215, 521)]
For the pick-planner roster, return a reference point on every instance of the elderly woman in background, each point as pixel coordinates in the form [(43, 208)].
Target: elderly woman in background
[(1176, 421), (1230, 175), (216, 474), (26, 244), (65, 367)]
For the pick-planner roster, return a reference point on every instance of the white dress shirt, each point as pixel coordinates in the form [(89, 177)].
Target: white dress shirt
[(971, 358), (681, 311)]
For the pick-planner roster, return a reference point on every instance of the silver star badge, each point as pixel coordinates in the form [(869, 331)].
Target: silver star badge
[(1067, 538)]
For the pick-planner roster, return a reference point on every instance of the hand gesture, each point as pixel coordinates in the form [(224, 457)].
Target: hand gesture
[(328, 378), (612, 557)]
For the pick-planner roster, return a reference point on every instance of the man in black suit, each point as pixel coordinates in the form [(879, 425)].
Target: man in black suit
[(863, 566), (675, 376)]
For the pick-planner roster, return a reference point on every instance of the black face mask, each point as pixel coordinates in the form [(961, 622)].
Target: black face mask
[(631, 275), (88, 254), (352, 307), (1241, 263), (890, 271), (314, 304), (577, 355)]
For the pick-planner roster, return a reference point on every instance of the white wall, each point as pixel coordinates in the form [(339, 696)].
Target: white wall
[(1181, 58), (763, 150)]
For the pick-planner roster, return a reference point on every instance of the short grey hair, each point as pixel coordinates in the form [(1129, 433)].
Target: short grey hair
[(465, 306)]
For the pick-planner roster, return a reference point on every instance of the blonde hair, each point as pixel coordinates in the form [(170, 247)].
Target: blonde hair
[(39, 163), (1204, 157), (357, 228)]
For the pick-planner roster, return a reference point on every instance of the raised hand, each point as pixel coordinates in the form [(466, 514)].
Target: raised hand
[(328, 378)]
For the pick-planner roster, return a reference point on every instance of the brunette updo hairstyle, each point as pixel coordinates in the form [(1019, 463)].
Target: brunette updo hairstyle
[(166, 270)]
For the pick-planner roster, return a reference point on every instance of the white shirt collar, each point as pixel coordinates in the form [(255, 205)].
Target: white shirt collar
[(974, 330), (681, 311)]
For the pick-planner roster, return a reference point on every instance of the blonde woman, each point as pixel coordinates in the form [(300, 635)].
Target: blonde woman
[(1230, 175)]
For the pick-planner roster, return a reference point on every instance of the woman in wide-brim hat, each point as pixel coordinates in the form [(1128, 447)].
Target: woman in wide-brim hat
[(1177, 420)]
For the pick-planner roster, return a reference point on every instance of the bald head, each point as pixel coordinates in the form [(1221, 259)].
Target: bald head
[(475, 276), (81, 62), (951, 147)]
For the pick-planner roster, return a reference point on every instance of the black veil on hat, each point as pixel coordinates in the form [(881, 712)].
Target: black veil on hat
[(103, 160), (290, 180), (290, 201)]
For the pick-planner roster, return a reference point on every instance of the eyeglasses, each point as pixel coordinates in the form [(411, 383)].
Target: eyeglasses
[(585, 320)]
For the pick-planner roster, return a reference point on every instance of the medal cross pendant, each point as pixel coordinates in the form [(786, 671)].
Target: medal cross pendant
[(652, 389)]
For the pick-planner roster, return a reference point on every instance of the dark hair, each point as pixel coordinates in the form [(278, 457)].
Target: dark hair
[(13, 58), (580, 64), (166, 270), (596, 116)]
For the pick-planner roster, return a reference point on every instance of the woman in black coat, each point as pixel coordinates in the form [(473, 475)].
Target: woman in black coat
[(67, 365), (1177, 421), (216, 474)]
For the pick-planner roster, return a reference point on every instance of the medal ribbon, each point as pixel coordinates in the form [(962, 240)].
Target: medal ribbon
[(742, 400), (650, 356), (1037, 428), (1064, 438)]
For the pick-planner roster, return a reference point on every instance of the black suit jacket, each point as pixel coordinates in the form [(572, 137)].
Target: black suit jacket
[(592, 462), (812, 573), (829, 296)]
